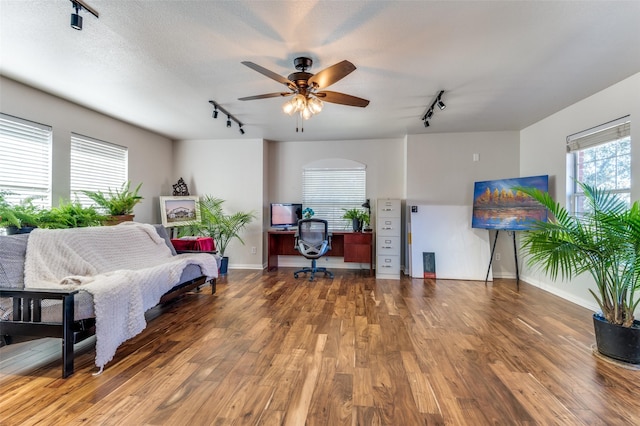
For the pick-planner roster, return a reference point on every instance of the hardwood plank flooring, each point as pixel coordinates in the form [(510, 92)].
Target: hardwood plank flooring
[(271, 350)]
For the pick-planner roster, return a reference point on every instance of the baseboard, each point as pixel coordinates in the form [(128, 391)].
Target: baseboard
[(560, 293)]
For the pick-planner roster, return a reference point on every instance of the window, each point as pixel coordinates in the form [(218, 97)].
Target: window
[(96, 166), (331, 190), (25, 160), (600, 157)]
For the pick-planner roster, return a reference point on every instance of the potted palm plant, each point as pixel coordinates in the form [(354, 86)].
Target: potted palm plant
[(118, 204), (215, 223), (604, 241)]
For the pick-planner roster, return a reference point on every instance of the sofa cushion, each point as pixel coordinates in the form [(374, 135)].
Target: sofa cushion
[(162, 231), (12, 251)]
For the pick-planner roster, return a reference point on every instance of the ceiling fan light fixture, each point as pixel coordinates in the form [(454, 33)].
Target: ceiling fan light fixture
[(299, 102), (288, 107), (306, 113), (315, 105)]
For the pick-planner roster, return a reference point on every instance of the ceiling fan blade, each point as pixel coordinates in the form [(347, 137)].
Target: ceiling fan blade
[(341, 98), (267, 95), (272, 75), (330, 75)]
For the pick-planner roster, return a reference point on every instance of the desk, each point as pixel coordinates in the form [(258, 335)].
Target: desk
[(355, 247)]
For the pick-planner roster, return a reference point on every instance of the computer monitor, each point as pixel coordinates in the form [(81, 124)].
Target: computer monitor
[(285, 215)]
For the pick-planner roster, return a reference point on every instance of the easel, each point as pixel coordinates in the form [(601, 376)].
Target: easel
[(515, 255)]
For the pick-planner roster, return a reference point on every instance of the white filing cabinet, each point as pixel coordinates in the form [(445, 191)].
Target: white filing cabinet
[(388, 224)]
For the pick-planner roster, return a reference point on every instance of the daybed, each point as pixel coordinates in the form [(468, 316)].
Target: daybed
[(75, 283)]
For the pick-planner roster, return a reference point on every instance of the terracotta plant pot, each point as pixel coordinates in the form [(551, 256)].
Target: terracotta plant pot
[(114, 220)]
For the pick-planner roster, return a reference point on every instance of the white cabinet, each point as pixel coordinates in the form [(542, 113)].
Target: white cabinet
[(388, 232)]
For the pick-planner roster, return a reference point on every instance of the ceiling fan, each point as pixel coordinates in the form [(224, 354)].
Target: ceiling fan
[(307, 89)]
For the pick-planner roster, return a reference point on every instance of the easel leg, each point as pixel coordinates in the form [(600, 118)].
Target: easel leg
[(493, 249), (515, 255)]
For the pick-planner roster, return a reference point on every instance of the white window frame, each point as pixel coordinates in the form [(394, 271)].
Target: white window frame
[(96, 165), (25, 160), (615, 133), (331, 187)]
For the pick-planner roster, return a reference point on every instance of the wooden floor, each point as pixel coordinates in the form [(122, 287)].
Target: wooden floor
[(268, 350)]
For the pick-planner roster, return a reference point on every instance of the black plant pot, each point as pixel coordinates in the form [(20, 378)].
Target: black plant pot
[(356, 224), (12, 230), (224, 264), (617, 342)]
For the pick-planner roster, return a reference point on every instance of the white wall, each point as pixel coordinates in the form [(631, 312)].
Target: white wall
[(542, 151), (441, 170), (384, 159), (150, 155), (234, 171)]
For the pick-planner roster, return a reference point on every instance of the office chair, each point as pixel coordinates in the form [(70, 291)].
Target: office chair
[(313, 240)]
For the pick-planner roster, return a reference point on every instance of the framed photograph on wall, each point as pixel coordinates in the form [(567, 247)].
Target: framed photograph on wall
[(179, 211)]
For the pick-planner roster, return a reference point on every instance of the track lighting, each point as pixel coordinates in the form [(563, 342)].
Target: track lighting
[(437, 102), (76, 19), (217, 108)]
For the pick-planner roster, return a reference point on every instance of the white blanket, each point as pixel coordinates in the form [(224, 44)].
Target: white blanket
[(126, 268)]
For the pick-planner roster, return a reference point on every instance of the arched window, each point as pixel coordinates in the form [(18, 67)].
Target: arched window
[(331, 186)]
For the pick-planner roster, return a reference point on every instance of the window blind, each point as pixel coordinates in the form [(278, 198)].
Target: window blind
[(330, 191), (608, 132), (25, 160), (96, 166)]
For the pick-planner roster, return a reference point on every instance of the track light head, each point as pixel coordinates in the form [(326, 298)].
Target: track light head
[(215, 112), (76, 21), (241, 129), (228, 121), (441, 105), (426, 123), (428, 115)]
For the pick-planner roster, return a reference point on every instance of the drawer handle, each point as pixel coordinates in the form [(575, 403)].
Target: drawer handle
[(385, 266), (387, 228), (388, 247)]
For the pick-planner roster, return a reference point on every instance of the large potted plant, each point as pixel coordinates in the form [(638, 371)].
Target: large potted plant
[(118, 204), (604, 241), (215, 223)]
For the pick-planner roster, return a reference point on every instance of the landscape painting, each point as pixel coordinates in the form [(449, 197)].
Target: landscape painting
[(497, 204)]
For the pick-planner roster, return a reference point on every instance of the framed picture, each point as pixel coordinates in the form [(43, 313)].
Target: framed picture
[(497, 204), (179, 211)]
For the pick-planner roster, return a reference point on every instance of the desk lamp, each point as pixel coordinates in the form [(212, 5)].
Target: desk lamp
[(367, 206)]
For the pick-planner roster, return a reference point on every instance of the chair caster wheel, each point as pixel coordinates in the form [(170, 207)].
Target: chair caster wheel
[(295, 275)]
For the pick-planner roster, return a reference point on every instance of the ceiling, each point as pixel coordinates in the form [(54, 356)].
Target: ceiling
[(503, 64)]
